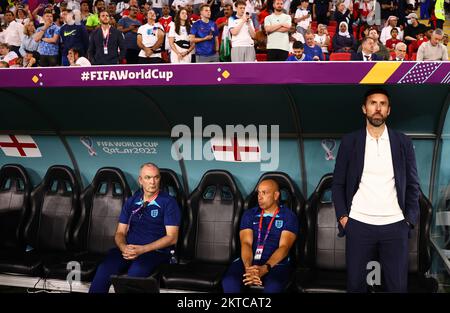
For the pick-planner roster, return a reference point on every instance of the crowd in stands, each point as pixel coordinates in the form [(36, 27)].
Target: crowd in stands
[(106, 32)]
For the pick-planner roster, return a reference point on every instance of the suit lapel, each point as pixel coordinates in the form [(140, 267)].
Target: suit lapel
[(360, 152), (396, 155)]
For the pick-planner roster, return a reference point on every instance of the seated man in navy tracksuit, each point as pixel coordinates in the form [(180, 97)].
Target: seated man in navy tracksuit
[(148, 226), (268, 232)]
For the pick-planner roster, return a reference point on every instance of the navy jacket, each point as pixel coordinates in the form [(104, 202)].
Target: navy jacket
[(349, 168), (116, 42), (359, 57)]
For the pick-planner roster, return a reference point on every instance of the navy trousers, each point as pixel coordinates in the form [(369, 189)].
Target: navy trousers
[(274, 282), (115, 264), (387, 244)]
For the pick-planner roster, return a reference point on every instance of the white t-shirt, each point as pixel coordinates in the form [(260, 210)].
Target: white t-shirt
[(320, 40), (149, 37), (14, 34), (82, 61), (158, 4), (183, 35), (250, 6), (243, 38), (181, 3), (278, 40), (11, 55), (301, 13)]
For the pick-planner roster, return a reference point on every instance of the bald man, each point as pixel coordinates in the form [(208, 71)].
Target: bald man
[(267, 233), (148, 227)]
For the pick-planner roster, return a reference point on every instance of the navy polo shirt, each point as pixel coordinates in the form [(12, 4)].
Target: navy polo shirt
[(149, 223), (285, 220)]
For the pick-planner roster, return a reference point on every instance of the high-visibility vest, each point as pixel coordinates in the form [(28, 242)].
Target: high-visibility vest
[(439, 10)]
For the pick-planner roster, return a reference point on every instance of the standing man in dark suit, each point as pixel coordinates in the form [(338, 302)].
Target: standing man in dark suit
[(366, 54), (375, 193)]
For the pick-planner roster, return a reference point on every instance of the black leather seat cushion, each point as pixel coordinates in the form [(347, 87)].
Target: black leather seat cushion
[(196, 276)]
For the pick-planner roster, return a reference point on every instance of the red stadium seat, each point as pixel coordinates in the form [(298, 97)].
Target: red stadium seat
[(340, 56), (414, 57), (261, 57)]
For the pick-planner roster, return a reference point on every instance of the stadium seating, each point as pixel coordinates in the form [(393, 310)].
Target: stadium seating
[(15, 190), (215, 207), (340, 56), (53, 216), (101, 204)]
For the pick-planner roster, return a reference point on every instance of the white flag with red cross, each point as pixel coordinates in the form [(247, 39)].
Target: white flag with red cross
[(236, 149), (22, 146)]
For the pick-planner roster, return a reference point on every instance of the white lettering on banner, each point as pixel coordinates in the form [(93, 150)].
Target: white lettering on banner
[(126, 74), (128, 147)]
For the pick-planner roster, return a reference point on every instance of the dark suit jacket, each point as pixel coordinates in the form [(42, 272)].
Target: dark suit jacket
[(115, 42), (359, 57), (349, 168)]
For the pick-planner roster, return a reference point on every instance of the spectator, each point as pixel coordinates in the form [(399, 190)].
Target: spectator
[(367, 12), (105, 43), (221, 22), (150, 38), (157, 6), (139, 15), (242, 33), (112, 10), (179, 39), (93, 20), (85, 11), (400, 52), (76, 59), (379, 49), (390, 24), (22, 15), (322, 38), (343, 14), (439, 13), (129, 25), (303, 17), (445, 40), (277, 26), (7, 55), (261, 41), (73, 5), (28, 42), (433, 50), (293, 37), (312, 50), (391, 43), (343, 41), (322, 10), (30, 59), (204, 34), (298, 55), (367, 51), (191, 15), (413, 29), (390, 8), (4, 64), (13, 33), (178, 4), (73, 36), (48, 38), (165, 19)]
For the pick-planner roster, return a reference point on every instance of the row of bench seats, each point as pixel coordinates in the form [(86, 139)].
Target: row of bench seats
[(63, 224)]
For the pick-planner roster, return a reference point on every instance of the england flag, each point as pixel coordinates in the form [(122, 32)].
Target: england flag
[(236, 149), (22, 146)]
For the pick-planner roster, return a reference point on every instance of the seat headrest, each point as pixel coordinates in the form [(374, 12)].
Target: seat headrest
[(61, 173), (169, 178), (218, 178), (16, 173), (109, 177), (325, 183)]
